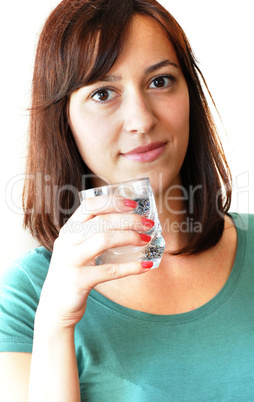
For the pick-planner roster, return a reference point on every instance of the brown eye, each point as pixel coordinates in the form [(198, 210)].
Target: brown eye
[(159, 82), (103, 95), (163, 81)]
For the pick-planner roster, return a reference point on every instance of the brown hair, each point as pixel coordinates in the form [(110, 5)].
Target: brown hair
[(66, 60)]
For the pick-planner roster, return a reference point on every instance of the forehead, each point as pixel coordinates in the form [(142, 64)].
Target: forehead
[(145, 40)]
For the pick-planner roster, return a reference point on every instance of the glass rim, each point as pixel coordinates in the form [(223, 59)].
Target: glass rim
[(140, 179)]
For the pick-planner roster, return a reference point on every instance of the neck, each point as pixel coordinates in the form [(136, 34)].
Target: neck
[(172, 212)]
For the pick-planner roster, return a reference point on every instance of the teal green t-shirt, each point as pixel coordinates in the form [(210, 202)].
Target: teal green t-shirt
[(126, 355)]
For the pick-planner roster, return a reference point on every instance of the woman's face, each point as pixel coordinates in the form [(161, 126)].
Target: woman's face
[(134, 122)]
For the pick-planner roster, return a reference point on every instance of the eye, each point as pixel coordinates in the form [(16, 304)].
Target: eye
[(103, 95), (163, 81)]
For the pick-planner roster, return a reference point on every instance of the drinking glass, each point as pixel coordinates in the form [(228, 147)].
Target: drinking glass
[(139, 190)]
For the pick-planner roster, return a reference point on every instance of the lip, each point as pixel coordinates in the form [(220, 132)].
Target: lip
[(146, 153)]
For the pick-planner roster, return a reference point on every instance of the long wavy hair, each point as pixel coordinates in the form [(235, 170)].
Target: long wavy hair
[(79, 43)]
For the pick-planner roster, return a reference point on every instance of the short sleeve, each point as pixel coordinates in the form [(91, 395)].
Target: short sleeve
[(18, 303), (20, 288)]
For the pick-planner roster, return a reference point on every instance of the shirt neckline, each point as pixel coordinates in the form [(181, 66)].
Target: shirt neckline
[(220, 298)]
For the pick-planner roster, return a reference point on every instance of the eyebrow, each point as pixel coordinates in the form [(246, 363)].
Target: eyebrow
[(163, 63), (149, 70)]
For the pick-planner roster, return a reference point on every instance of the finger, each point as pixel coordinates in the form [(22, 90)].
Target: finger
[(110, 222), (92, 276), (95, 245), (101, 205), (78, 231), (122, 222)]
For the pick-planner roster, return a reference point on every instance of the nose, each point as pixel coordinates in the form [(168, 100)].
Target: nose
[(138, 115)]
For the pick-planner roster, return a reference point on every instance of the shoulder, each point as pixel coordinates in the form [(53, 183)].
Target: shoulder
[(20, 289), (28, 271), (244, 222)]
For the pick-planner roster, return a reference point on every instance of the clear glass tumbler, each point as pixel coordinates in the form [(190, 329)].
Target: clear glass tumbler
[(139, 190)]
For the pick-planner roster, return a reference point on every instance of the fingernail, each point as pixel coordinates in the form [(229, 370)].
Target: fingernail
[(147, 264), (130, 203), (147, 222), (144, 237)]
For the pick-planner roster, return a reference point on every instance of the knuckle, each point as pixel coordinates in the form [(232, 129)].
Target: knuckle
[(57, 243), (62, 230), (112, 270), (66, 228), (103, 222)]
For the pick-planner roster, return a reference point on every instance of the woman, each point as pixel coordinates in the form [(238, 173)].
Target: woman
[(116, 96)]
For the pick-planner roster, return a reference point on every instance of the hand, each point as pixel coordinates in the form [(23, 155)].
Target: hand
[(100, 223)]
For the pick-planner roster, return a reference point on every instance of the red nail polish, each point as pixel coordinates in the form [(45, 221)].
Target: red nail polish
[(147, 264), (144, 237), (147, 222), (130, 203)]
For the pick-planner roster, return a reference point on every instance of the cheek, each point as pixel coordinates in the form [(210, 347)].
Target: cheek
[(94, 139), (84, 136), (176, 113), (181, 114), (90, 128), (84, 129)]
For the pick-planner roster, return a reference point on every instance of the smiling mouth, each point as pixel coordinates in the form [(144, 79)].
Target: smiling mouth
[(146, 153)]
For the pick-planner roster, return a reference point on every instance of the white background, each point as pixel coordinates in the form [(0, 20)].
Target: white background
[(221, 33)]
